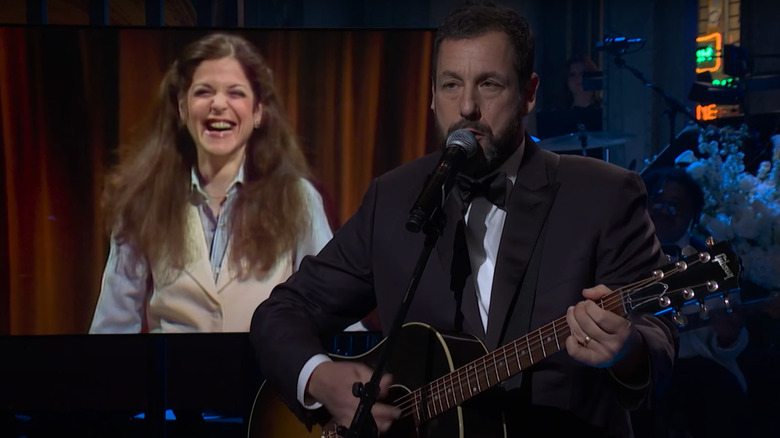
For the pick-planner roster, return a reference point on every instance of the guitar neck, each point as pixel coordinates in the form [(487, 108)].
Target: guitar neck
[(473, 378)]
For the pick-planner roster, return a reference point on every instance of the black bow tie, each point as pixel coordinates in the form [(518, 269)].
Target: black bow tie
[(492, 188)]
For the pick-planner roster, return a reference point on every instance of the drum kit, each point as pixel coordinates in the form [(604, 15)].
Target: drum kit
[(582, 141)]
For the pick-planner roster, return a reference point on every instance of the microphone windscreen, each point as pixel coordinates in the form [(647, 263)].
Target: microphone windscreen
[(465, 140)]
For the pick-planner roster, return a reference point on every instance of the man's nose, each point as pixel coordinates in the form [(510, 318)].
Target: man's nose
[(469, 104)]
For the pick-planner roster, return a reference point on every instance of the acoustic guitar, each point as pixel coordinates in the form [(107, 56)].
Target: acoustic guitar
[(443, 382)]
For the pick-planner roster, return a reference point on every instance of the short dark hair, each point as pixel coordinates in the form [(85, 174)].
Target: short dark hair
[(476, 18), (655, 180)]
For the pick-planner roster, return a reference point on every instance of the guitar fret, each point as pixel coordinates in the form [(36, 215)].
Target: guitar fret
[(505, 362), (428, 408), (460, 386), (437, 396), (541, 341), (514, 363), (432, 402), (447, 389), (555, 333), (483, 370), (528, 347), (474, 388), (417, 412), (495, 367)]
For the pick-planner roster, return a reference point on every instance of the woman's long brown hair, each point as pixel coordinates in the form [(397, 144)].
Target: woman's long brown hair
[(148, 193)]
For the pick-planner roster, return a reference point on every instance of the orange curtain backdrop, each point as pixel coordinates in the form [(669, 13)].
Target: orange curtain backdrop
[(52, 146), (358, 100)]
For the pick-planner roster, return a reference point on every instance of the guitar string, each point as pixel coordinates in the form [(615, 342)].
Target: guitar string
[(612, 302)]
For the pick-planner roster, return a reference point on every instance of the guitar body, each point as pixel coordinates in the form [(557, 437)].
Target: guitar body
[(270, 417), (421, 355)]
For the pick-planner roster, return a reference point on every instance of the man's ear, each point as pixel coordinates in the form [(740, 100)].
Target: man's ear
[(529, 94), (433, 95)]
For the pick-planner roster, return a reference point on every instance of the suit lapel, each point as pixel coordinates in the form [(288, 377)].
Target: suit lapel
[(527, 209)]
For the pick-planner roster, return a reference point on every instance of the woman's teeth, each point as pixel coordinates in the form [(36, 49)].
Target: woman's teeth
[(219, 126)]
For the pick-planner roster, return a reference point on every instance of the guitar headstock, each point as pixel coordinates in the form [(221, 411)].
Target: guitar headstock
[(694, 280)]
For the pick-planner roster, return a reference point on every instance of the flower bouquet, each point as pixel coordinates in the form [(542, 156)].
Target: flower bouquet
[(740, 207)]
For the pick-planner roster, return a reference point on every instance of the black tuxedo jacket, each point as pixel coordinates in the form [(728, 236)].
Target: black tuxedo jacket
[(579, 226)]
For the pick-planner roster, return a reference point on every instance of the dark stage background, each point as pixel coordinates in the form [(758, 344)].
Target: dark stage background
[(76, 76)]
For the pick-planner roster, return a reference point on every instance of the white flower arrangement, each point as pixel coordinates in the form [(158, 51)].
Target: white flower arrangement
[(740, 207)]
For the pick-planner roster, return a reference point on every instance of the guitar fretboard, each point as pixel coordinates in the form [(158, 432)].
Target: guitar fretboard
[(475, 377)]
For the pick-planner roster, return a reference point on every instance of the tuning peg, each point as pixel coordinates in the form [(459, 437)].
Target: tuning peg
[(679, 319), (688, 293), (704, 312)]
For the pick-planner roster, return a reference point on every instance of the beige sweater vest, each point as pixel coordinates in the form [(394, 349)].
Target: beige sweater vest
[(192, 300)]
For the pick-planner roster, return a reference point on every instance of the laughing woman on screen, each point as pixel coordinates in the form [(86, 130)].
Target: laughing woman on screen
[(212, 208)]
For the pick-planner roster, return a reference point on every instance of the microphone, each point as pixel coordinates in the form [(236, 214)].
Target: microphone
[(460, 146), (618, 45)]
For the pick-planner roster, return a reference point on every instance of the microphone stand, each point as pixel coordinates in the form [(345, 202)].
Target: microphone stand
[(673, 106), (583, 136), (363, 425)]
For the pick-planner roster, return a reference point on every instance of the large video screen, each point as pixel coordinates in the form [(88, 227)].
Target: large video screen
[(70, 97)]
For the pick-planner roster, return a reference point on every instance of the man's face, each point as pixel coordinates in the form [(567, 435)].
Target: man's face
[(476, 88), (671, 212)]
